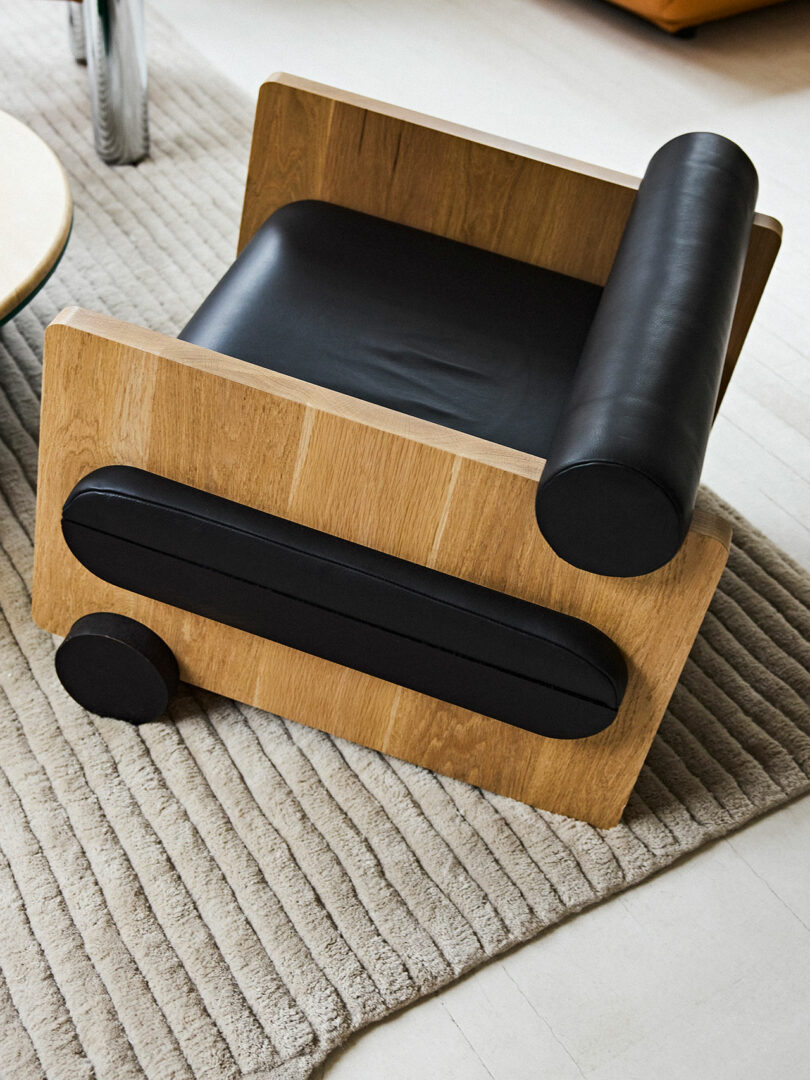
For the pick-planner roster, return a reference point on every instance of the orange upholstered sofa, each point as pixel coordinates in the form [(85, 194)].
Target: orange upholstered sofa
[(675, 15)]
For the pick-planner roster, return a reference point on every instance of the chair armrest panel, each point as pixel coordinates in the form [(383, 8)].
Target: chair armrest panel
[(618, 490)]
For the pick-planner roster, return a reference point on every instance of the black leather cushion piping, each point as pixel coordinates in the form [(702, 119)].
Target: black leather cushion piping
[(443, 636), (403, 318), (618, 490)]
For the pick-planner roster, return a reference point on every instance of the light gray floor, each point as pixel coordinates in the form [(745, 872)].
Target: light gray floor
[(704, 972)]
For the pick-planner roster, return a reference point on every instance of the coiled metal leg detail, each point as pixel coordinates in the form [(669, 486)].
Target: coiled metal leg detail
[(76, 32), (116, 62)]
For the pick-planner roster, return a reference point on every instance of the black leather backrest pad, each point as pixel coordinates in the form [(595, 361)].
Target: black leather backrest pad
[(440, 635), (618, 490), (400, 317)]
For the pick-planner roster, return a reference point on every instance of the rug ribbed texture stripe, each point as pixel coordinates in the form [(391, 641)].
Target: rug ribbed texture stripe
[(231, 895)]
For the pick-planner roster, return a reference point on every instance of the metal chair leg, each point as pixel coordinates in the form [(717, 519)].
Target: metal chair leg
[(76, 32), (116, 62)]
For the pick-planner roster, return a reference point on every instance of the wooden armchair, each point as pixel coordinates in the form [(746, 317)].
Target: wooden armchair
[(119, 395)]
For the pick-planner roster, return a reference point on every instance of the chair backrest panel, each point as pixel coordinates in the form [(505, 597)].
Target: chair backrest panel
[(312, 141)]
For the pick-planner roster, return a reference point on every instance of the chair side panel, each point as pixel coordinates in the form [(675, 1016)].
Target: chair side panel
[(115, 402)]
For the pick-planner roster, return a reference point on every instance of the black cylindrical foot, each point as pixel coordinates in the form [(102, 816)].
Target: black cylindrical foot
[(114, 666)]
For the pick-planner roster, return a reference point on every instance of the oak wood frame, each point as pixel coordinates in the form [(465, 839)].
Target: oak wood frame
[(116, 393)]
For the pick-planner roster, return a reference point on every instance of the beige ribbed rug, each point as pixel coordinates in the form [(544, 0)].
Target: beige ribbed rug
[(231, 895)]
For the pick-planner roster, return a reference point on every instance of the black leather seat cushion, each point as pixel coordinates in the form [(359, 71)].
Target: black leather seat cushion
[(403, 318), (440, 635)]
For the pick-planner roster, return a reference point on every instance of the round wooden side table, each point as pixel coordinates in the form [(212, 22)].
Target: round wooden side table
[(36, 213)]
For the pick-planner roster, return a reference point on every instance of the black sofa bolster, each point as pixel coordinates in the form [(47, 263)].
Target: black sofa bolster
[(618, 489), (440, 635)]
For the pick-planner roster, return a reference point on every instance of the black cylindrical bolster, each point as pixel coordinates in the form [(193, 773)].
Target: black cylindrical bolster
[(618, 490)]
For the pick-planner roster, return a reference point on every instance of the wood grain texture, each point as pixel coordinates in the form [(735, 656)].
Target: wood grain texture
[(114, 393), (315, 142), (36, 215)]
